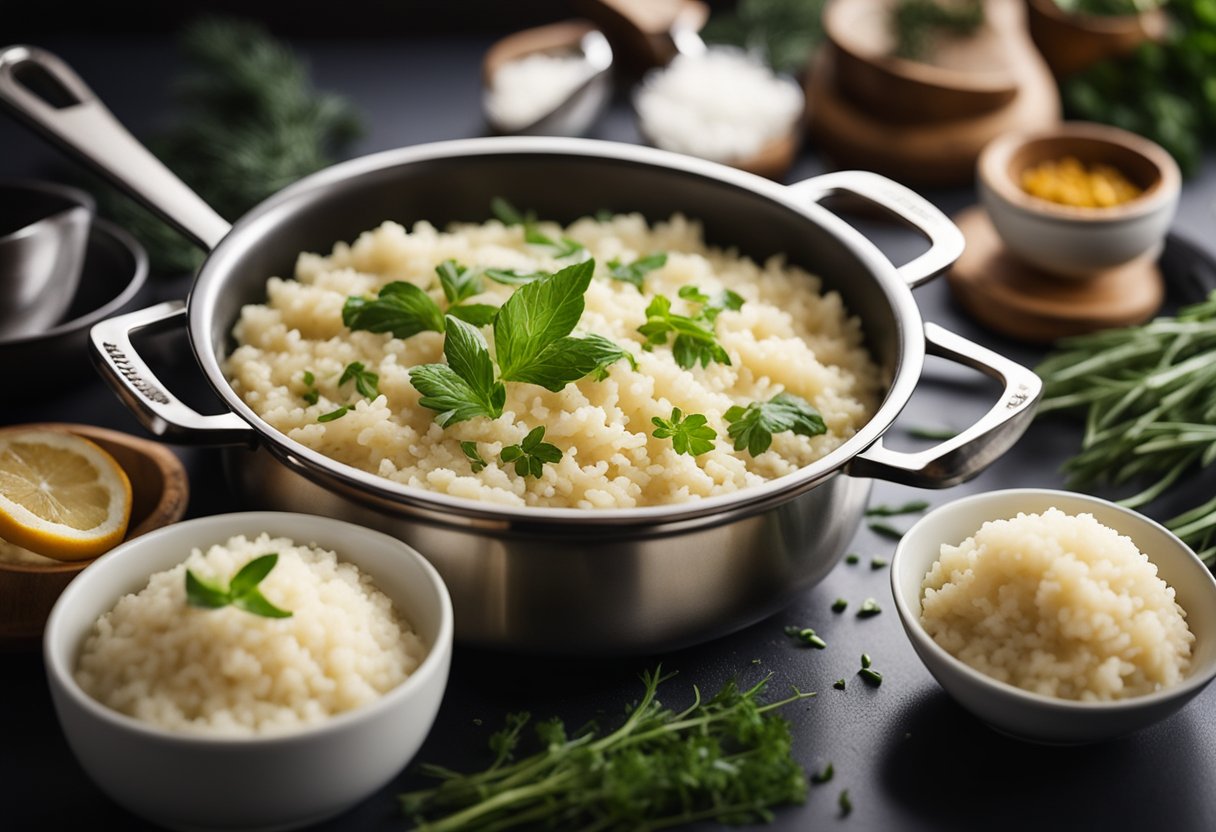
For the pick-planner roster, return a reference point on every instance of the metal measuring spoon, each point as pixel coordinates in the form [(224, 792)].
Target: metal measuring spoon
[(571, 115)]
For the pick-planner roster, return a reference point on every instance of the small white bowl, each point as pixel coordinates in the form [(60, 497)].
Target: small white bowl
[(279, 782), (1072, 242), (1033, 716)]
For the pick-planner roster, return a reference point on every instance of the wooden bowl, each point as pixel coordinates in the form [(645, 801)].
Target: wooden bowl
[(159, 494), (1074, 242), (969, 77), (1073, 42)]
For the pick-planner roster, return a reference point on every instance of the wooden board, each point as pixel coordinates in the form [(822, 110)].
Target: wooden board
[(1015, 299)]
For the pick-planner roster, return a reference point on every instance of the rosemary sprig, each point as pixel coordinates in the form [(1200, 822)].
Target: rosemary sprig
[(726, 759), (1149, 397)]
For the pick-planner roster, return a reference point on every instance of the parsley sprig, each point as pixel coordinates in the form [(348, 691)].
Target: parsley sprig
[(688, 434), (753, 427), (532, 343), (695, 340), (531, 454), (404, 309), (366, 382), (634, 273), (509, 215), (242, 591), (728, 759)]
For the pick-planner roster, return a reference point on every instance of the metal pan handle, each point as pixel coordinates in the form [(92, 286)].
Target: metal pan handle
[(80, 124), (946, 241), (157, 410), (961, 458)]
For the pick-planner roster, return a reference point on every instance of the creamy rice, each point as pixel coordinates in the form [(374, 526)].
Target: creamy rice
[(232, 673), (788, 336), (1059, 605)]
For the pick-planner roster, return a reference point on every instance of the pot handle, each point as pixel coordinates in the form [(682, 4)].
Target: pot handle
[(946, 241), (71, 116), (959, 459), (159, 411)]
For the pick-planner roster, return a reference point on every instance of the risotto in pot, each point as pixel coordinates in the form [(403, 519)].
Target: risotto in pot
[(637, 366)]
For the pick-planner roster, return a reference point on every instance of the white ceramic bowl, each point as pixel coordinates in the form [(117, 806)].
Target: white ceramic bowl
[(1076, 242), (190, 782), (1033, 716)]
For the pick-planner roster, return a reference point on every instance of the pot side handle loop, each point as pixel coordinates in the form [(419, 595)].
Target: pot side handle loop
[(42, 90), (946, 241), (142, 392), (961, 458)]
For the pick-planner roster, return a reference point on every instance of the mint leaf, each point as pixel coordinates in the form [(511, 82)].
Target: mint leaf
[(366, 382), (252, 573), (689, 435), (400, 308), (465, 386), (200, 593), (726, 299), (242, 591), (569, 359), (469, 357), (253, 601), (477, 314), (507, 213), (565, 247), (538, 314), (531, 454), (476, 462), (457, 281), (636, 271), (753, 427), (510, 277)]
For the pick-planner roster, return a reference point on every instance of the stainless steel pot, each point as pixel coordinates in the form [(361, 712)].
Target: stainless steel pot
[(558, 580)]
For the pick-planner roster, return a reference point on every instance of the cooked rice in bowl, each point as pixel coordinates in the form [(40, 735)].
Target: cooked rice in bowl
[(788, 337)]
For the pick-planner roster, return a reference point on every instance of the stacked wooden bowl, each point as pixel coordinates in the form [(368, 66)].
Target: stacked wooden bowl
[(924, 122)]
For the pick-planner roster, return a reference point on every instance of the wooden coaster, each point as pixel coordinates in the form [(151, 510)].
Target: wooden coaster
[(1016, 299)]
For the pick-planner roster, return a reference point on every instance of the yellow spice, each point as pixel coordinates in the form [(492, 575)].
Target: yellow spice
[(1068, 182)]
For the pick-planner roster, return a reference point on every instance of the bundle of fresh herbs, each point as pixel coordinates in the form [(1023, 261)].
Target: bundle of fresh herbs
[(1149, 397), (249, 124), (726, 759), (1165, 91), (915, 24), (785, 33)]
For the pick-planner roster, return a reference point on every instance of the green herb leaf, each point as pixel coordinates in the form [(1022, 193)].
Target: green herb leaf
[(334, 414), (475, 459), (839, 684), (457, 282), (538, 314), (807, 636), (878, 563), (846, 805), (465, 387), (569, 359), (852, 559), (912, 507), (366, 382), (689, 435), (309, 378), (311, 397), (869, 608), (884, 530), (200, 593), (565, 247), (753, 427), (824, 775), (253, 601), (252, 573), (531, 454), (477, 314), (400, 308), (695, 341), (635, 273), (510, 277), (840, 605), (866, 661), (507, 214), (870, 676)]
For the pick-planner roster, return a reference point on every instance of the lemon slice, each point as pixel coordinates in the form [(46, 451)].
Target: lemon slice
[(60, 495)]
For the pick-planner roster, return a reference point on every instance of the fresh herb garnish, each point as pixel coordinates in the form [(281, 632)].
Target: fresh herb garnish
[(870, 676), (532, 343), (839, 684), (366, 382), (334, 414), (807, 636), (688, 434), (309, 378), (695, 341), (912, 507), (311, 396), (786, 32), (852, 559), (510, 277), (560, 248), (915, 23), (869, 609), (823, 775), (878, 563), (727, 759), (636, 271), (242, 591), (753, 427), (460, 283), (884, 530), (840, 605), (846, 805), (866, 661), (508, 214), (400, 308), (531, 454), (475, 460), (1147, 392)]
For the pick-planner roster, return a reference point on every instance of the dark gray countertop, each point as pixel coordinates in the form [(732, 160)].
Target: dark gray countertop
[(910, 757)]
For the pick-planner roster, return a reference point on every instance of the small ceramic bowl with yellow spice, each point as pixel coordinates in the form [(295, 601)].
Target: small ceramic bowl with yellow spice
[(1080, 198)]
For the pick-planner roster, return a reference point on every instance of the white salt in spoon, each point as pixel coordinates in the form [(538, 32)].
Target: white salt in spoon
[(553, 80)]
